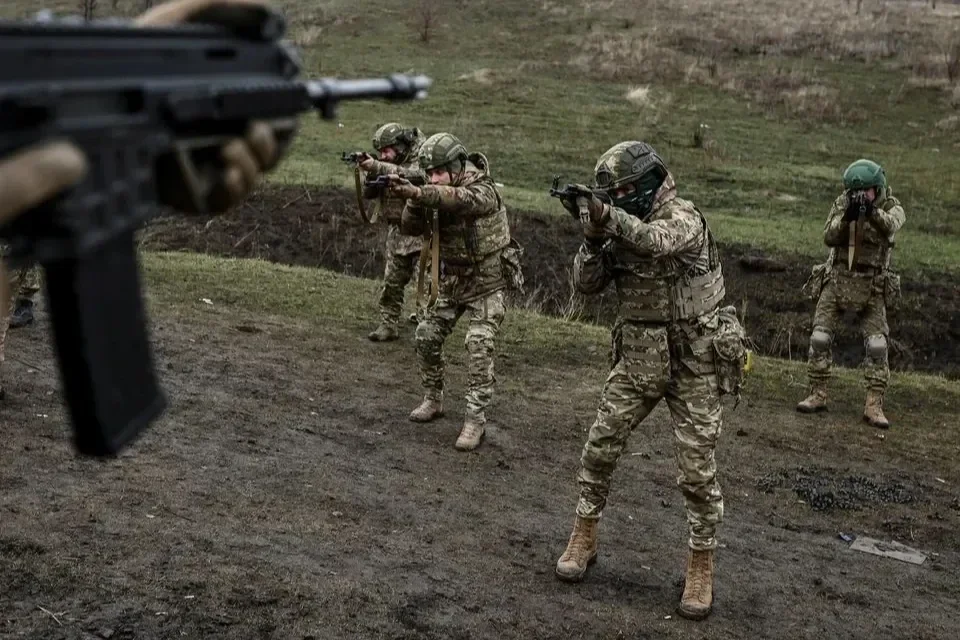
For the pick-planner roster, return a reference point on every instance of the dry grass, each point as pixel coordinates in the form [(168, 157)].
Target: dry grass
[(757, 49)]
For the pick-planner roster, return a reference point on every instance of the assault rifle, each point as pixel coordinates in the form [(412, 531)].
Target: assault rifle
[(139, 102), (574, 193), (857, 210), (353, 158), (382, 182)]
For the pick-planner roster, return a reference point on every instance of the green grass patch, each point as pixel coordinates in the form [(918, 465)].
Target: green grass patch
[(512, 80), (328, 300)]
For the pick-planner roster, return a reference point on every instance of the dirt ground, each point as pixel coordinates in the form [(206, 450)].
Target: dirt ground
[(321, 228), (285, 495)]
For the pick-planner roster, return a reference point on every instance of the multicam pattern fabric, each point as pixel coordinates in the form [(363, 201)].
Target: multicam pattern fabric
[(25, 283), (866, 290), (671, 360), (472, 235), (485, 317)]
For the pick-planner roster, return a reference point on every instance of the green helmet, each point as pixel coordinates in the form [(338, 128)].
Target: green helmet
[(442, 150), (394, 135), (635, 163), (864, 174)]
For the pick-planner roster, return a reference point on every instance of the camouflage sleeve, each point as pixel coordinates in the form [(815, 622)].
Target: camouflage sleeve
[(477, 199), (414, 175), (413, 220), (835, 230), (590, 272), (664, 237), (890, 219), (381, 168)]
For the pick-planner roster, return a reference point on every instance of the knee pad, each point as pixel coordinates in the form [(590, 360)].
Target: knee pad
[(820, 339), (425, 333), (876, 346)]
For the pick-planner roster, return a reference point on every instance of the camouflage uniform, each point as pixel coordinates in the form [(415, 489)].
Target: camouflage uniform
[(658, 251), (401, 251), (866, 288), (663, 349), (21, 283), (473, 244)]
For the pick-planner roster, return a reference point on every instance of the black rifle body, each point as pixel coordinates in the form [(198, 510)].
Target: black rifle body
[(138, 102)]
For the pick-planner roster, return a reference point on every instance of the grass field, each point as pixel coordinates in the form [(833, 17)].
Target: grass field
[(286, 495), (791, 95)]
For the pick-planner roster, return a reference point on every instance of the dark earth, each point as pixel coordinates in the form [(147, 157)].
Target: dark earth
[(285, 495), (321, 227)]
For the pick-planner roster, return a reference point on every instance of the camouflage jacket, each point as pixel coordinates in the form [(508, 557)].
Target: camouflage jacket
[(409, 169), (665, 269), (878, 233), (473, 231)]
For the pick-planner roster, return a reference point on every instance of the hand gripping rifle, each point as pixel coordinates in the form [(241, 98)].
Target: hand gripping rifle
[(137, 101), (578, 194), (856, 213)]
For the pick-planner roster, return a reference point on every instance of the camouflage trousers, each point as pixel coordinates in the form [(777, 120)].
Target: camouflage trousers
[(401, 255), (21, 283), (675, 364), (857, 294), (437, 323)]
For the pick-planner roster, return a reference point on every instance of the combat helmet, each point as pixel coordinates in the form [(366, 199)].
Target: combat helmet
[(635, 163), (864, 174), (442, 151), (393, 134)]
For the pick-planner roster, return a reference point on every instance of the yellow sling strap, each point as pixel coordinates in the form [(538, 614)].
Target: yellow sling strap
[(358, 182), (431, 251)]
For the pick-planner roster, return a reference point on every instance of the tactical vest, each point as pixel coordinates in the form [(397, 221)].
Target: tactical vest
[(468, 240), (874, 251), (671, 297)]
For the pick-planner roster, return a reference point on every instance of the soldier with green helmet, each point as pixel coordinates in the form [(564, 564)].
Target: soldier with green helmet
[(397, 147), (860, 232), (672, 341), (462, 218)]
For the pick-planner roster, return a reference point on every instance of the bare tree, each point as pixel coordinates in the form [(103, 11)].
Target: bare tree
[(859, 4), (427, 20), (89, 8)]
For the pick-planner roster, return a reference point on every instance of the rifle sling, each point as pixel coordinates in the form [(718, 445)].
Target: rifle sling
[(358, 182)]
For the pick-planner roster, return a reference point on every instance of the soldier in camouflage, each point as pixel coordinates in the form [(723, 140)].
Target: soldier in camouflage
[(658, 251), (462, 218), (26, 284), (397, 148), (22, 284), (860, 232)]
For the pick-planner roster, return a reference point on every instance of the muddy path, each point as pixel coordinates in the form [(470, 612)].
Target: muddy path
[(286, 496), (321, 228)]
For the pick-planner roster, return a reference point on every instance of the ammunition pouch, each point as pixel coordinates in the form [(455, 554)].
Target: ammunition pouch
[(512, 268), (730, 348), (853, 289), (891, 289), (670, 299), (813, 287)]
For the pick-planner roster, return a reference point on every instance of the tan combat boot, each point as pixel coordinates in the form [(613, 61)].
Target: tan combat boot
[(581, 550), (428, 410), (470, 435), (697, 599), (384, 333), (815, 402), (873, 410)]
